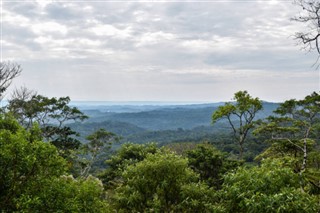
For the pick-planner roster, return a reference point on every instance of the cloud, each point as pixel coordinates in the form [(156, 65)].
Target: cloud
[(64, 12), (156, 48)]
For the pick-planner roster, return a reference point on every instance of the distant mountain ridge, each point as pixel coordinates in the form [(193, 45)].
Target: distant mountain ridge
[(167, 117), (117, 127), (164, 124), (138, 108)]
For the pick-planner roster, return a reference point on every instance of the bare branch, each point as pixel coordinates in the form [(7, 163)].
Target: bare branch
[(22, 93), (310, 15), (8, 71)]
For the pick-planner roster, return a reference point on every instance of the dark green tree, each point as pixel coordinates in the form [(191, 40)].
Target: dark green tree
[(211, 164), (100, 142), (51, 114)]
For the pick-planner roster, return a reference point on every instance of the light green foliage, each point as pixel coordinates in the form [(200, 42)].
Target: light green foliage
[(240, 116), (32, 176), (128, 154), (223, 111), (211, 164), (65, 194), (272, 187), (24, 163), (197, 197), (161, 183)]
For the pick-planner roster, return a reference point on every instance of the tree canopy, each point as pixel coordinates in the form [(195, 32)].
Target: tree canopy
[(240, 115), (33, 176)]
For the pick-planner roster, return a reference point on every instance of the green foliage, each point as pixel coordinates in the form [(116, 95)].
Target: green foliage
[(50, 114), (211, 164), (289, 200), (161, 183), (285, 147), (145, 178), (240, 116), (24, 163), (101, 139), (197, 197), (7, 122), (117, 127), (62, 138), (295, 120), (194, 121), (32, 176), (99, 145), (223, 111), (128, 154), (65, 194), (181, 148), (313, 171), (294, 131), (272, 187)]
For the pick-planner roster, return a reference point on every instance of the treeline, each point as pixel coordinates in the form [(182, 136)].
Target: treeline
[(45, 168), (145, 178)]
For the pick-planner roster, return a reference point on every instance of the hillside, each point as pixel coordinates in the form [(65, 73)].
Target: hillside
[(164, 124), (117, 127)]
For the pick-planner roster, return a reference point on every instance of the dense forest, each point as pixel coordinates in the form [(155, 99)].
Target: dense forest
[(247, 156)]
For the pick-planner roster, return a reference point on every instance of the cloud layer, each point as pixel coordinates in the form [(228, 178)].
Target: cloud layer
[(158, 51)]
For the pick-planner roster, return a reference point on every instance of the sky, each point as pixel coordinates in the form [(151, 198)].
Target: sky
[(194, 51)]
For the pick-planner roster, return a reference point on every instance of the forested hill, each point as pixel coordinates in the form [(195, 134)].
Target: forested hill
[(163, 124), (164, 117)]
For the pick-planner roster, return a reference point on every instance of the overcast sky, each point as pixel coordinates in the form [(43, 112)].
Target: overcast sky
[(158, 51)]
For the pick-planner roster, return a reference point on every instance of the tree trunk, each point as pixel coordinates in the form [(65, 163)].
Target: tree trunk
[(241, 140), (304, 162)]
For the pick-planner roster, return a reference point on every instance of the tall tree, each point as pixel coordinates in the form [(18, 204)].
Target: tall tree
[(100, 141), (8, 71), (294, 130), (240, 115), (51, 114)]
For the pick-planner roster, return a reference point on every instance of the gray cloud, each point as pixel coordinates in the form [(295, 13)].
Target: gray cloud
[(63, 13), (156, 50), (27, 9)]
